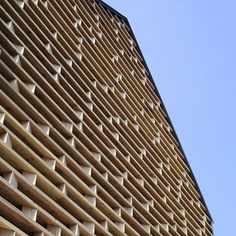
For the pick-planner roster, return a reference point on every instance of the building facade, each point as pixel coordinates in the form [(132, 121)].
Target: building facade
[(86, 144)]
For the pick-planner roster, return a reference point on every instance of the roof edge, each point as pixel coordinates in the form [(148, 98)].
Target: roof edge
[(162, 104), (112, 10)]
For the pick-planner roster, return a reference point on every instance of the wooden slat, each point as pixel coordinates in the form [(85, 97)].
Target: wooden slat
[(85, 145)]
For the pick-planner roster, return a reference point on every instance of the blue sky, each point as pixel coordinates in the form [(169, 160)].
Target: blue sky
[(190, 48)]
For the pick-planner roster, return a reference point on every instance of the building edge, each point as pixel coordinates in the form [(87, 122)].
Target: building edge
[(125, 19)]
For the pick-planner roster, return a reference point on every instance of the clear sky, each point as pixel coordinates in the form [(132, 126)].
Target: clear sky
[(190, 48)]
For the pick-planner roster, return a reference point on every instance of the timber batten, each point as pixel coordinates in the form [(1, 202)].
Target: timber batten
[(86, 145)]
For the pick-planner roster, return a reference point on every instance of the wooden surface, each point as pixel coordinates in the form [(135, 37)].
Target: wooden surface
[(85, 147)]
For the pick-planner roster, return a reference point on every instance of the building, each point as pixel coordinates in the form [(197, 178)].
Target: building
[(86, 144)]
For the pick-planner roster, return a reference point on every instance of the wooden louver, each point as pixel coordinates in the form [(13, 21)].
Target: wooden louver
[(86, 146)]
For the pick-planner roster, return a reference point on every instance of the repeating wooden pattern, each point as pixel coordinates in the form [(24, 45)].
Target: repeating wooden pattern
[(85, 145)]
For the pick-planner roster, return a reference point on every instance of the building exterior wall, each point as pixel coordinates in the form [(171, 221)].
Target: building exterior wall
[(86, 146)]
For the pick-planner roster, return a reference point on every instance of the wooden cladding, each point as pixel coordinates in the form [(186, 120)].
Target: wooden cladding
[(85, 145)]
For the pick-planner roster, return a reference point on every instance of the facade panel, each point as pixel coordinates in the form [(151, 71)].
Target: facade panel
[(86, 145)]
